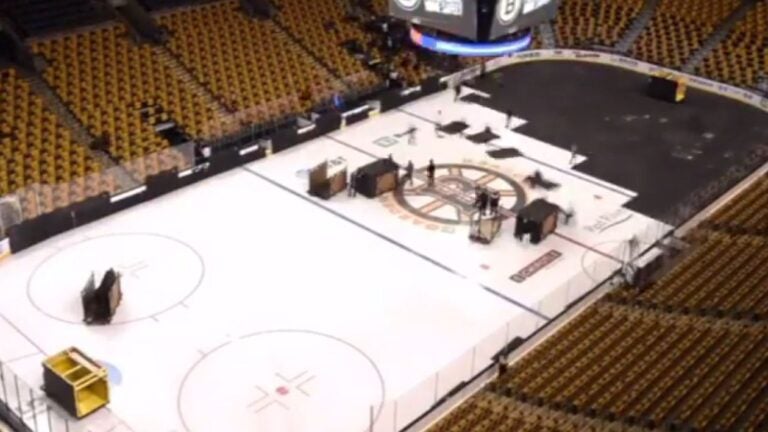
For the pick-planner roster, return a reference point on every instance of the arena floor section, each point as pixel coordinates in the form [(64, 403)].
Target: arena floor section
[(248, 303), (626, 135)]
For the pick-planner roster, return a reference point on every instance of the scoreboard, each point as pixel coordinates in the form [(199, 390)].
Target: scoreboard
[(475, 19), (457, 17), (515, 15)]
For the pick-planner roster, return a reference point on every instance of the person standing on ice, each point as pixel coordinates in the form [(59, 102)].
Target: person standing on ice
[(574, 149), (457, 92), (408, 173), (431, 173), (494, 201), (412, 135)]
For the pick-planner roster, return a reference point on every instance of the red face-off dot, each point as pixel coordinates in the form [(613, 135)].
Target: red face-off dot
[(282, 391)]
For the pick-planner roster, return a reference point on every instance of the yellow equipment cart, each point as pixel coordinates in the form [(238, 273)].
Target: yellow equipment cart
[(77, 383)]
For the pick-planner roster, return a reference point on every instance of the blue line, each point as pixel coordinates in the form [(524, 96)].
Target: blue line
[(416, 115), (389, 239), (345, 144)]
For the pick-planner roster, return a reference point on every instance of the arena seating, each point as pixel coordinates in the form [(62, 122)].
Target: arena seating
[(491, 412), (632, 366), (121, 90), (411, 68), (252, 65), (38, 17), (583, 23), (688, 352), (614, 18), (322, 27), (746, 214), (644, 367), (38, 158), (576, 23), (726, 274), (678, 28), (743, 55)]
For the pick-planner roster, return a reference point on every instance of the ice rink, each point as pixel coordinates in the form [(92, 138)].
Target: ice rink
[(249, 305)]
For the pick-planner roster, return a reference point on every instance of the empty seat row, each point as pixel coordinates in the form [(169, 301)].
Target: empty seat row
[(40, 162), (252, 66), (678, 28), (646, 368), (742, 58), (583, 23), (323, 27), (724, 275), (110, 82)]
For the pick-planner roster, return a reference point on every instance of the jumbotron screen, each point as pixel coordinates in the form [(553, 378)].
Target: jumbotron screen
[(514, 15), (457, 17), (475, 19)]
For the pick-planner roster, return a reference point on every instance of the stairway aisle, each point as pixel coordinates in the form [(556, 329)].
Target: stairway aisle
[(719, 35), (80, 133), (185, 75), (638, 25)]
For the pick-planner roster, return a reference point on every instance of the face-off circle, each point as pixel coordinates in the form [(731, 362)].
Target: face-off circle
[(281, 380), (450, 201), (158, 273)]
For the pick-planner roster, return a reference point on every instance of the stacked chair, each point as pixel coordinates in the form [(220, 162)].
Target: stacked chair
[(39, 160)]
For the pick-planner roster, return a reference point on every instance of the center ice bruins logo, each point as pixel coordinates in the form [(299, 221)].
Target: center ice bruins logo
[(408, 4), (509, 10)]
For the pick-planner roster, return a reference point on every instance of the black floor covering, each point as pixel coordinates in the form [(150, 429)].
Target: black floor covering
[(663, 151)]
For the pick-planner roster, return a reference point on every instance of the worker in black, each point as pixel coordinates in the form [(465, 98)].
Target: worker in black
[(478, 192), (351, 191), (431, 173), (494, 202), (408, 173), (484, 199)]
